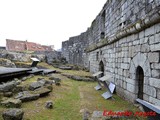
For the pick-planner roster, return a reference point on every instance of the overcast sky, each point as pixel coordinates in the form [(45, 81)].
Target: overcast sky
[(48, 22)]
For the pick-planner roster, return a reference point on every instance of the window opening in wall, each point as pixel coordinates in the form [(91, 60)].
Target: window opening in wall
[(159, 57), (102, 35), (100, 52), (97, 56), (140, 79)]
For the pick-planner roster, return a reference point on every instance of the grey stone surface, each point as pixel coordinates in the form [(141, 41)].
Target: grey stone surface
[(158, 93), (42, 91), (154, 101), (155, 47), (131, 88), (49, 104), (7, 87), (26, 96), (7, 63), (12, 103), (24, 79), (86, 115), (65, 68), (156, 73), (13, 114), (150, 90), (154, 82), (35, 85), (131, 39), (153, 57)]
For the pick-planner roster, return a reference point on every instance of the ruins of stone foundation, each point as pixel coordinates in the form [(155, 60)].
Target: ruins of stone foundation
[(123, 41)]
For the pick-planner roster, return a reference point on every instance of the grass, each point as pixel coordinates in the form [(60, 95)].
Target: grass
[(69, 99)]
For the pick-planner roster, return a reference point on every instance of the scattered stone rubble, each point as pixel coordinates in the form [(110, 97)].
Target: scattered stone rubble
[(6, 63), (56, 80), (49, 104), (13, 114), (16, 93), (79, 78)]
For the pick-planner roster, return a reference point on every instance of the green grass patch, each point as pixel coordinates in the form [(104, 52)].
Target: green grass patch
[(70, 98)]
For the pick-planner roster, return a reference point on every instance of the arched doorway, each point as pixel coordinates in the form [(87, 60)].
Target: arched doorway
[(101, 68), (140, 79)]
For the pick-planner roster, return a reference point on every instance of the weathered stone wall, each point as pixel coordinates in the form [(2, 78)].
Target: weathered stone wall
[(125, 36), (73, 49), (122, 58), (48, 56)]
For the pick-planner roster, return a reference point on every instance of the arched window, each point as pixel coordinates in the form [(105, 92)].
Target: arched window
[(101, 67)]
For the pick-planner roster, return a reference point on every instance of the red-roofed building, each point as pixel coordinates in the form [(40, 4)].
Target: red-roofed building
[(16, 45)]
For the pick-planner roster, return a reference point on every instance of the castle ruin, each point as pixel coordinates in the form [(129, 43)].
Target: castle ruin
[(124, 41)]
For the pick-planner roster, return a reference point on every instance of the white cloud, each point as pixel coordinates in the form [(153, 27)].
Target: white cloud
[(47, 22)]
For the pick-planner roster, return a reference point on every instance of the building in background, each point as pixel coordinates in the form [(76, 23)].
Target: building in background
[(17, 45)]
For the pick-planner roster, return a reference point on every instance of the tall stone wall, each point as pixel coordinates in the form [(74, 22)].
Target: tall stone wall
[(74, 49), (125, 37)]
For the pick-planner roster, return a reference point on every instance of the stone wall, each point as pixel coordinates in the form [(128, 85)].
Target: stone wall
[(122, 58), (74, 49), (48, 56), (125, 36)]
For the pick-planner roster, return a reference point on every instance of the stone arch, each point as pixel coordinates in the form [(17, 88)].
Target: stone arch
[(139, 62)]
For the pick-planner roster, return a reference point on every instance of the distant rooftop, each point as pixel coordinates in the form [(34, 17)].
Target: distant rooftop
[(17, 45)]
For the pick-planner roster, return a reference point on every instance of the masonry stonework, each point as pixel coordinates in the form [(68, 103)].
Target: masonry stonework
[(125, 36)]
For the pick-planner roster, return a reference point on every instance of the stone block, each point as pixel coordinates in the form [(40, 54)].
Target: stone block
[(137, 48), (146, 68), (154, 82), (130, 44), (143, 40), (151, 39), (136, 42), (131, 81), (146, 80), (156, 73), (125, 48), (150, 31), (155, 65), (126, 60), (146, 97), (13, 114), (153, 57), (155, 47), (132, 67), (157, 27), (132, 75), (149, 90), (145, 48), (157, 38), (141, 34), (120, 71), (124, 65), (130, 96), (158, 93), (154, 101), (124, 85), (131, 88)]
